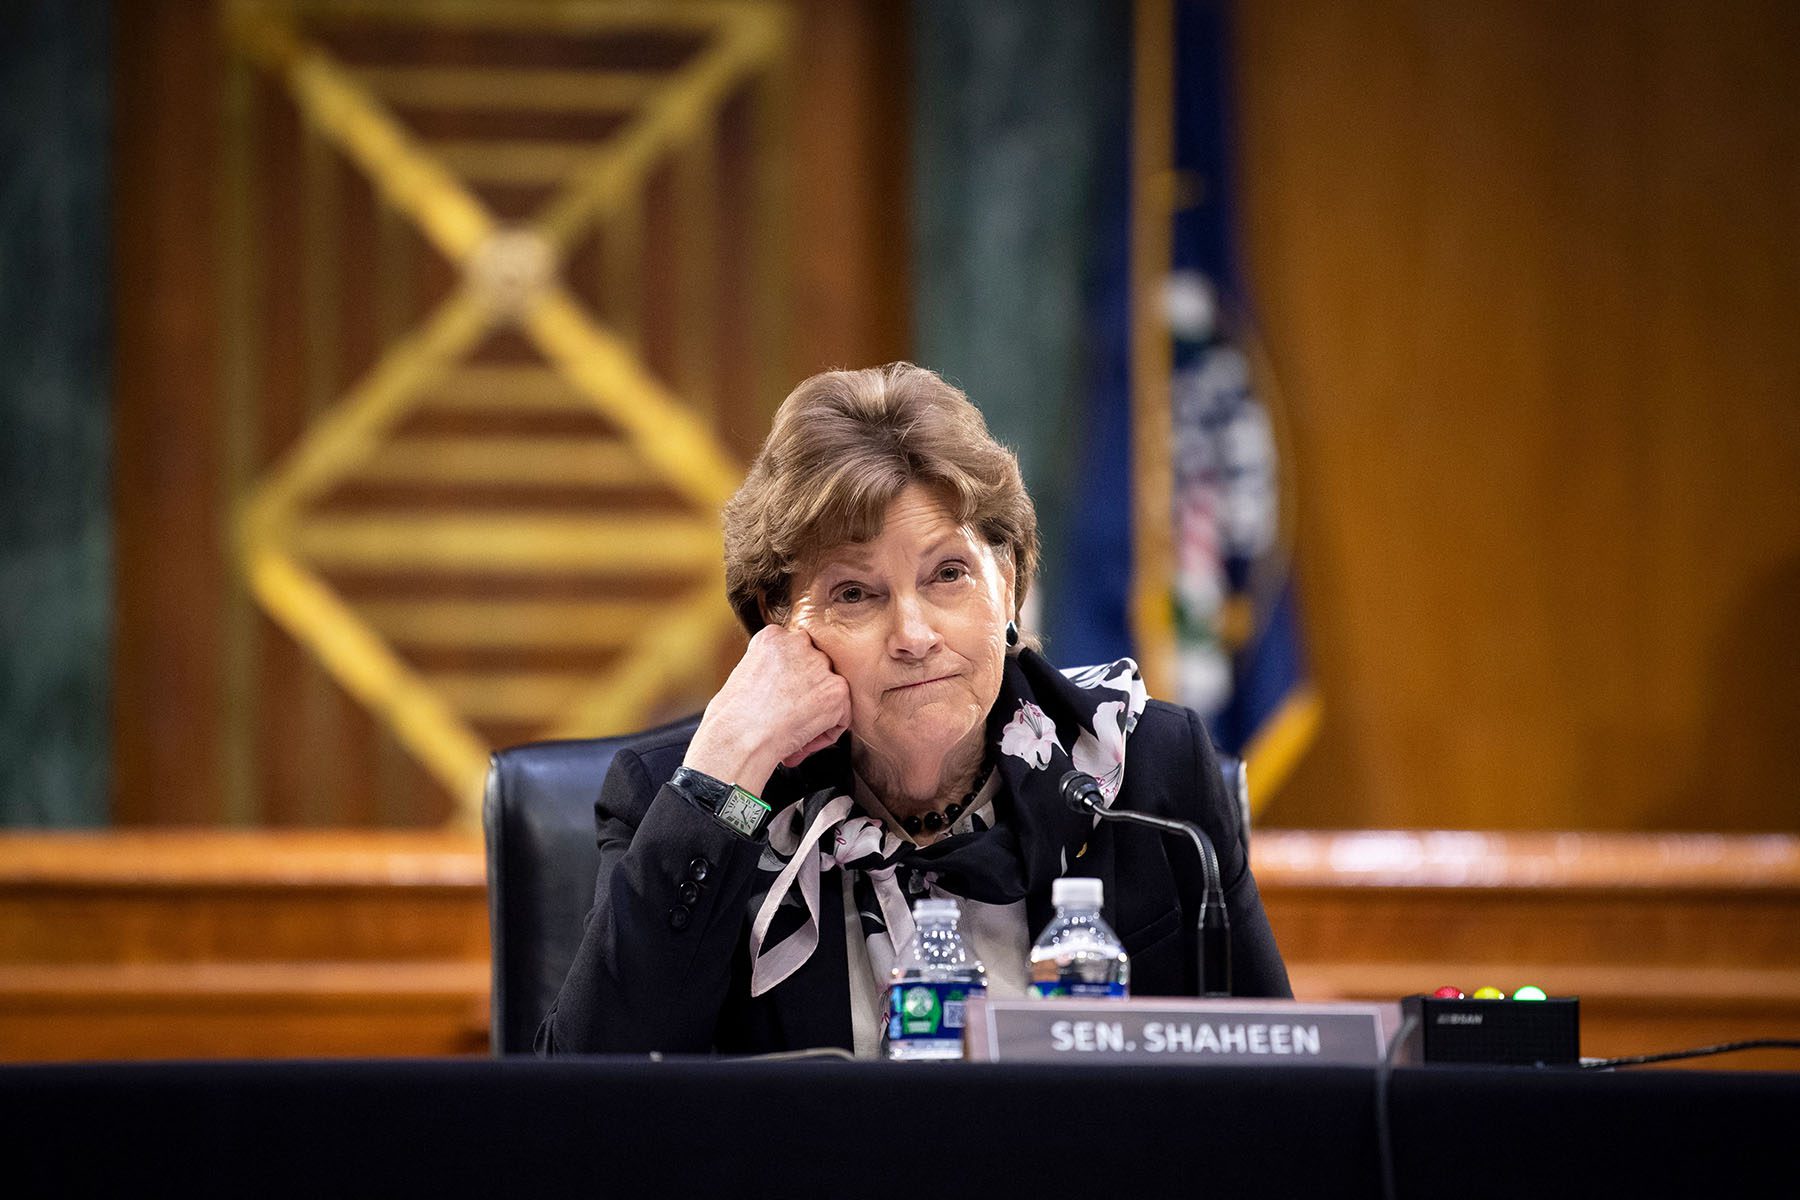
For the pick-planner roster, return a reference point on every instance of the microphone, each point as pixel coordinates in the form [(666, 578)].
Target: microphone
[(1081, 792)]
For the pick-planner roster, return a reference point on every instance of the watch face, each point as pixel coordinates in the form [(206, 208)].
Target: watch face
[(743, 812)]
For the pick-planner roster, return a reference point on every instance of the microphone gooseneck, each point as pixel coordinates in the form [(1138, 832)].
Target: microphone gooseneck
[(1081, 792)]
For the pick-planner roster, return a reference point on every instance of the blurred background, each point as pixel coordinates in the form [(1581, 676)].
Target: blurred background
[(1412, 387)]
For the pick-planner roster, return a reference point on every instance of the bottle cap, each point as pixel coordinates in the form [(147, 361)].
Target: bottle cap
[(936, 910), (1075, 893)]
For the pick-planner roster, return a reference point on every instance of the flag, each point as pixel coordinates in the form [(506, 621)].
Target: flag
[(1239, 657), (1026, 216)]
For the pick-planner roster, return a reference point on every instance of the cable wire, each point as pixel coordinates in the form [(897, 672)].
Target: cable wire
[(1638, 1060), (1384, 1127)]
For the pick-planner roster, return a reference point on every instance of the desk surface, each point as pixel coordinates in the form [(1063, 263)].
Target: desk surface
[(632, 1127)]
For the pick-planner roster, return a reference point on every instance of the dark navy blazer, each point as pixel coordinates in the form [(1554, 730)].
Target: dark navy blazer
[(664, 960)]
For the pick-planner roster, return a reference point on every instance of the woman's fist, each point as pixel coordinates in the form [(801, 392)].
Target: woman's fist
[(781, 703)]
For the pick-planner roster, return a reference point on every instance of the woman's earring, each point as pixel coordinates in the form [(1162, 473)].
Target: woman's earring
[(1012, 633)]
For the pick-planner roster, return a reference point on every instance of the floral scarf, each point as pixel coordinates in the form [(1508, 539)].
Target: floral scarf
[(1045, 723)]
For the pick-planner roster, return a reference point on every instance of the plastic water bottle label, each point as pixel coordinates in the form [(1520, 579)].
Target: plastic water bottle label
[(1078, 989), (928, 1010)]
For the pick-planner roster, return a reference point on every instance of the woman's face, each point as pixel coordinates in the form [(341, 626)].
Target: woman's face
[(915, 621)]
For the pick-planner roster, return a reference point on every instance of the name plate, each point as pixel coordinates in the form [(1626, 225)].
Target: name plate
[(1175, 1032)]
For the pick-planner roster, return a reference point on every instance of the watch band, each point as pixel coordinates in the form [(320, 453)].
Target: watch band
[(730, 804)]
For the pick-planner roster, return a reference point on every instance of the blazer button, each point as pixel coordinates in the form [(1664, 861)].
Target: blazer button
[(689, 892), (679, 916), (699, 869)]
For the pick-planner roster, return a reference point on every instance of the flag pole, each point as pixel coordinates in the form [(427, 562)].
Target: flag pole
[(1152, 238)]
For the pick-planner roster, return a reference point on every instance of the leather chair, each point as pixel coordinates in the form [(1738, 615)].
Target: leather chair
[(538, 817)]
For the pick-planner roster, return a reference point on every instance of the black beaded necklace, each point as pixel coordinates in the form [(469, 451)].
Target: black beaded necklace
[(933, 821)]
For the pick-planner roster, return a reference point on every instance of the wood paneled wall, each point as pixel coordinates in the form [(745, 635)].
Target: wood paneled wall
[(1528, 273), (166, 943), (183, 944), (1530, 277), (189, 744), (1670, 941)]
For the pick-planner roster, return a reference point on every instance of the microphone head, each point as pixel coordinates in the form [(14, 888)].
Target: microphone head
[(1081, 792)]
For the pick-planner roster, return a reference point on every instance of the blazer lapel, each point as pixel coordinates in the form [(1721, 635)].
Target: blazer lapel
[(1096, 860), (812, 1006), (1134, 870), (1100, 862)]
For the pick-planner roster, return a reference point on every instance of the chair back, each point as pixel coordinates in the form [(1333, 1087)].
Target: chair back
[(538, 818), (1237, 788)]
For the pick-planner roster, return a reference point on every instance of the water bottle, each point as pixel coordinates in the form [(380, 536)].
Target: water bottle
[(1078, 954), (931, 985)]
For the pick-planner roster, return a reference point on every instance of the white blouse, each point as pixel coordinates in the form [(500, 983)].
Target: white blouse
[(996, 933)]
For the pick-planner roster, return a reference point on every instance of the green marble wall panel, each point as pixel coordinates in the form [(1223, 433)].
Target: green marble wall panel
[(55, 413), (1017, 109)]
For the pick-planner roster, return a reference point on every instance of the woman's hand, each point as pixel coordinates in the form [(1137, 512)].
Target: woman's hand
[(781, 703)]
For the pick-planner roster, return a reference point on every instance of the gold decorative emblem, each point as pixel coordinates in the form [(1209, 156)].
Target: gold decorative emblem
[(511, 270), (512, 565)]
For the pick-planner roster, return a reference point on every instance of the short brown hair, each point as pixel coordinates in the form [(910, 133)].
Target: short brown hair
[(843, 445)]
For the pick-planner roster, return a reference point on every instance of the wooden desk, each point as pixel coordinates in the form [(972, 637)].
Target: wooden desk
[(630, 1127)]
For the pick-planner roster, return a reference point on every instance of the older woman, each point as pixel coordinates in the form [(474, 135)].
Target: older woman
[(888, 734)]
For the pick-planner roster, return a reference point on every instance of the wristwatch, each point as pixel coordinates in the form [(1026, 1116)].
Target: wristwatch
[(731, 804)]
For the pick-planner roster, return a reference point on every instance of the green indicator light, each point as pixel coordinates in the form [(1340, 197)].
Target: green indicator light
[(1530, 992)]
